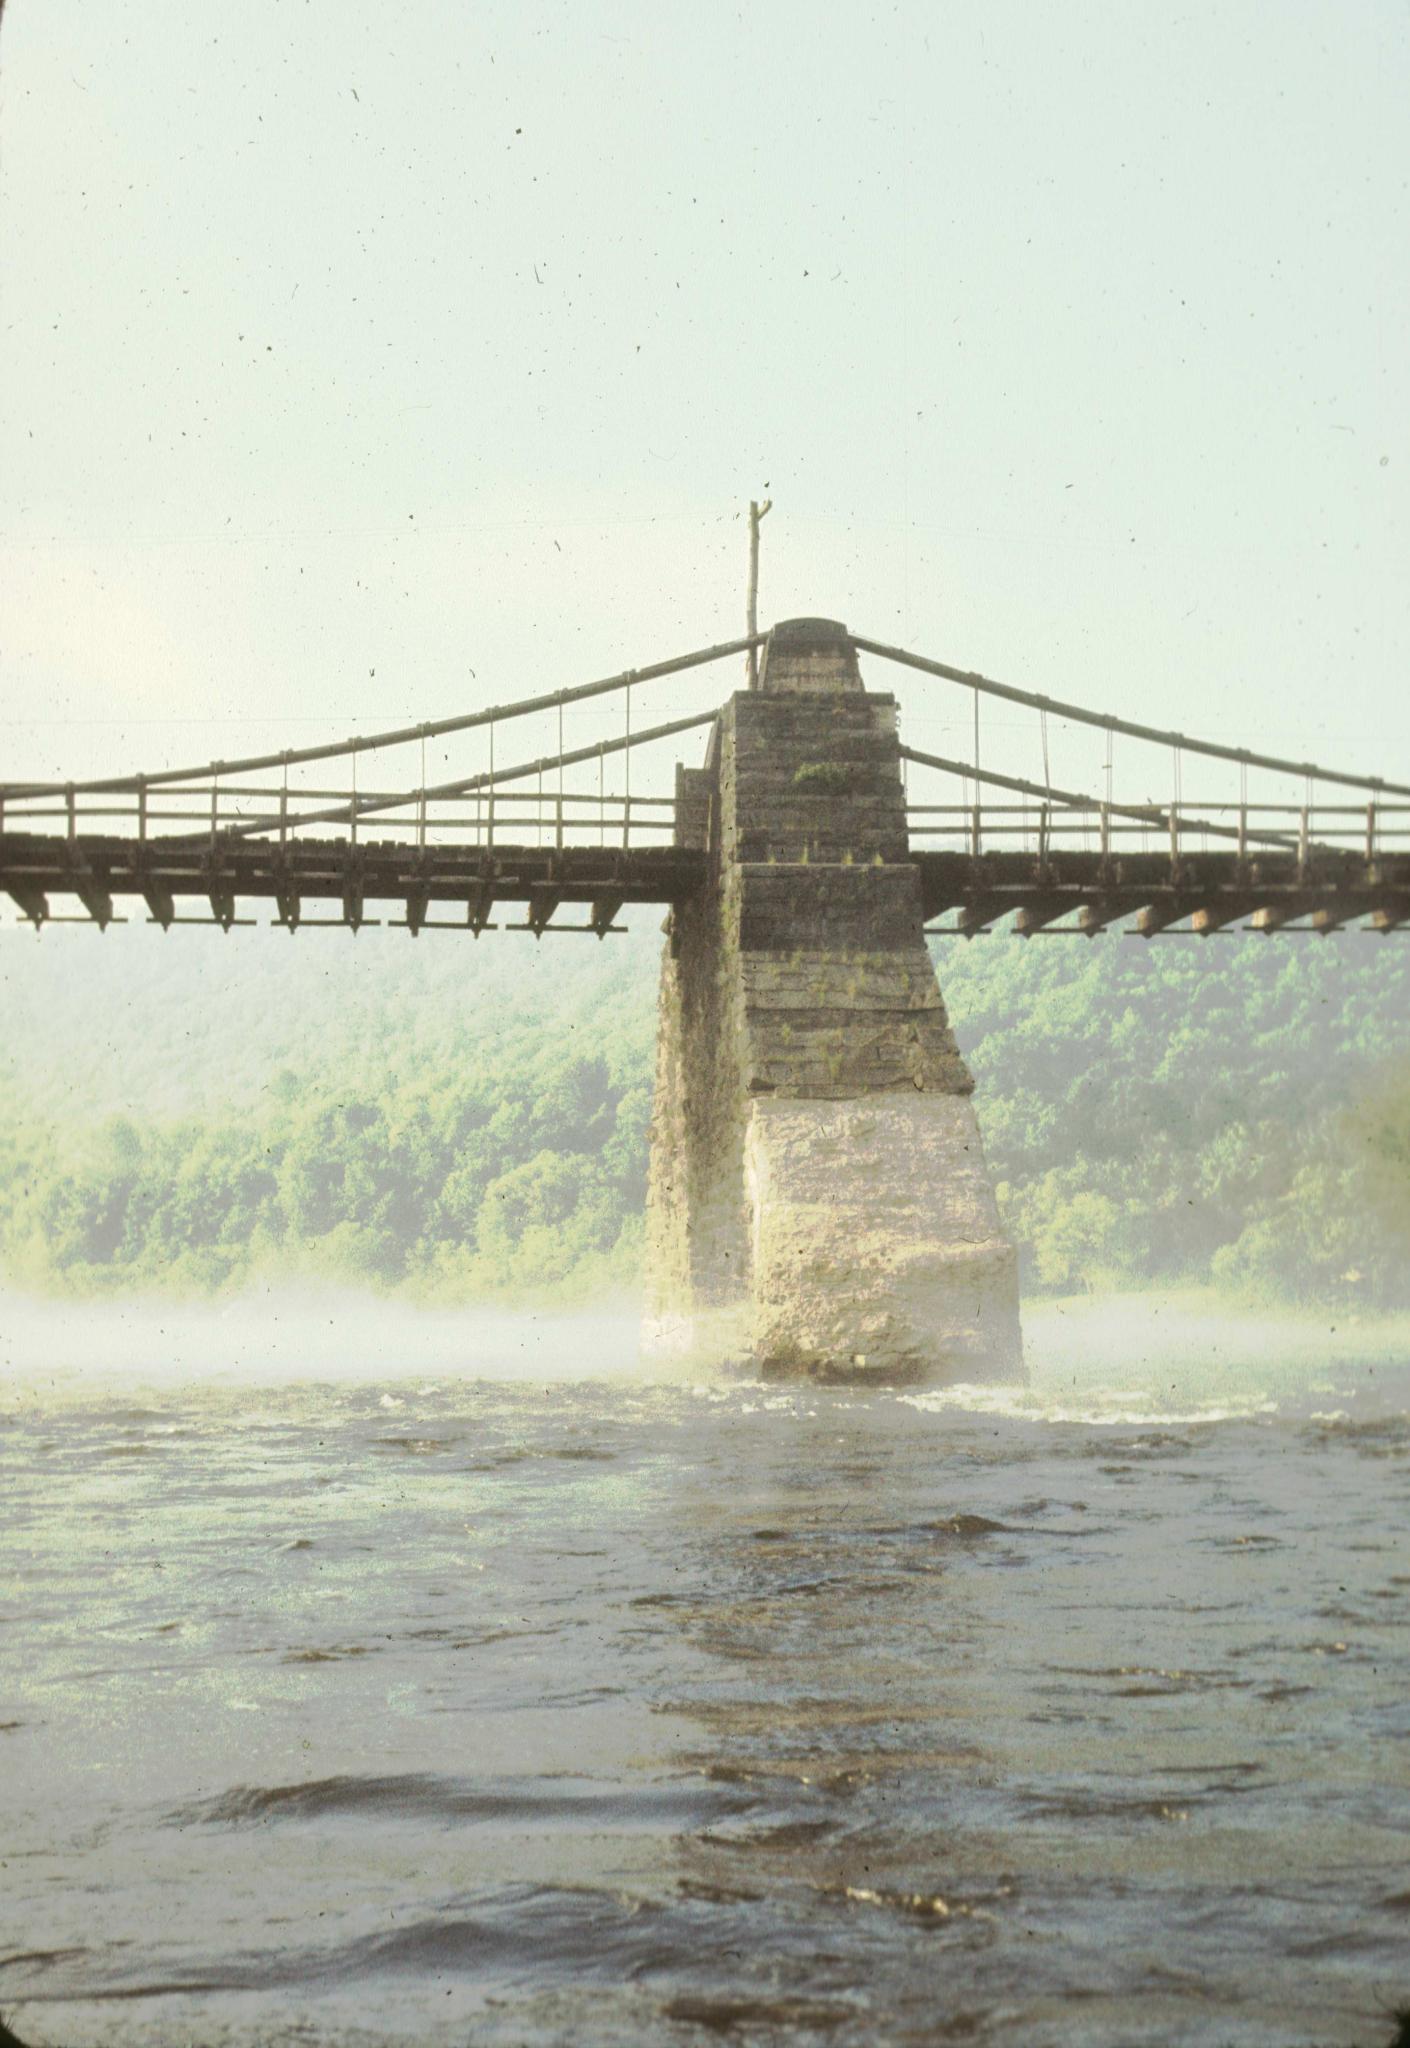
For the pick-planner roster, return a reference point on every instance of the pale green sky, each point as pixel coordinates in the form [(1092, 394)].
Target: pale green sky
[(352, 349)]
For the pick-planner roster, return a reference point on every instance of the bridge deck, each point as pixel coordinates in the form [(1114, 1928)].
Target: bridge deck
[(1211, 890), (1088, 890), (97, 869)]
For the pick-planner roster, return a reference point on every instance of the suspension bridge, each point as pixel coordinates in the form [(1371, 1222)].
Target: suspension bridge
[(818, 1200), (1296, 846)]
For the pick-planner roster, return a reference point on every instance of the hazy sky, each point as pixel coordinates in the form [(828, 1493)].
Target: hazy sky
[(352, 349)]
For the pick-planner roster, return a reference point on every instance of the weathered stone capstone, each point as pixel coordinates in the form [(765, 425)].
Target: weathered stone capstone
[(818, 1203)]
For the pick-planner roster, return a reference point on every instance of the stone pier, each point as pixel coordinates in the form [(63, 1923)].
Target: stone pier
[(819, 1204)]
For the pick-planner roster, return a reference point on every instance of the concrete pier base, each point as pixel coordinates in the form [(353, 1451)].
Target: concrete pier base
[(819, 1204)]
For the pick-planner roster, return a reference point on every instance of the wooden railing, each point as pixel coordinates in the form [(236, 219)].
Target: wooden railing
[(1375, 831), (484, 817)]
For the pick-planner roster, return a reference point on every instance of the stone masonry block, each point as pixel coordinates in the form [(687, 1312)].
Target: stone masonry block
[(818, 1200)]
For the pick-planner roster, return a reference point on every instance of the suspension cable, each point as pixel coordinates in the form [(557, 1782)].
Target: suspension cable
[(1145, 814), (465, 722), (342, 813), (1127, 726)]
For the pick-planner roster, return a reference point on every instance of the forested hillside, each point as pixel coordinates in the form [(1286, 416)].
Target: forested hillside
[(462, 1121)]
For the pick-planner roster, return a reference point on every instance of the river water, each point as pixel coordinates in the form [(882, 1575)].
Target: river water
[(589, 1711)]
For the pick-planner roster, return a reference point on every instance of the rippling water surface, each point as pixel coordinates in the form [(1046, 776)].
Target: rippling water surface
[(603, 1713)]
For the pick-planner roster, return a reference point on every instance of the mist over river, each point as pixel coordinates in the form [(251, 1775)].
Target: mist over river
[(536, 1703)]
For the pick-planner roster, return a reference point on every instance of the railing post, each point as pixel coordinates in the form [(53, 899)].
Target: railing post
[(1243, 831), (141, 810), (1174, 835), (215, 808), (1371, 833), (1043, 821), (284, 810), (627, 776), (1303, 841), (974, 832), (71, 805), (1106, 831), (559, 838)]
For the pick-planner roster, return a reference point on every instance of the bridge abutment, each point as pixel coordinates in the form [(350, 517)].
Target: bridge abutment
[(819, 1204)]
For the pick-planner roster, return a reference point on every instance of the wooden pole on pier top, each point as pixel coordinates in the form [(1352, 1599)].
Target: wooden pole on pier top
[(756, 513)]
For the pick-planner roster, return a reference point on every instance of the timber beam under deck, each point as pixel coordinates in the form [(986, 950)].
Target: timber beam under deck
[(1084, 892), (1070, 891), (418, 883)]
